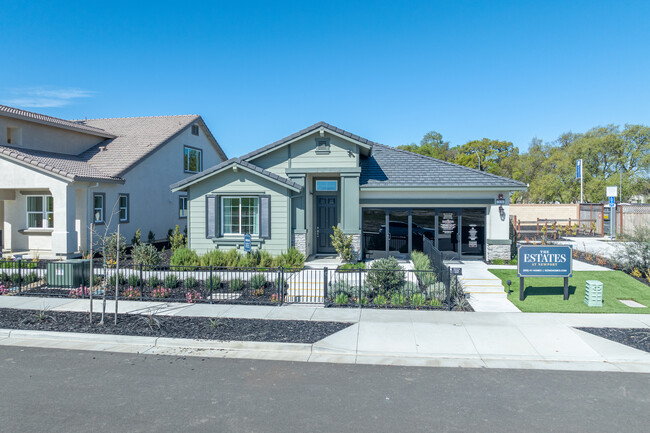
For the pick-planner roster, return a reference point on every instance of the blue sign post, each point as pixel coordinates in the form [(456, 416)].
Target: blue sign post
[(544, 261), (612, 201), (247, 243)]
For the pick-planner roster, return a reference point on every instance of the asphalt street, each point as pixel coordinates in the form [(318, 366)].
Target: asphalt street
[(48, 390)]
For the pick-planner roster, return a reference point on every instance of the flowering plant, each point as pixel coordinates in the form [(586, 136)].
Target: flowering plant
[(274, 298), (160, 292), (80, 292), (131, 293), (192, 296), (3, 290)]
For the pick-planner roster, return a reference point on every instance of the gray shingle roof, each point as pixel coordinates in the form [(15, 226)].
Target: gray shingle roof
[(69, 166), (391, 167), (241, 162), (307, 130), (55, 121)]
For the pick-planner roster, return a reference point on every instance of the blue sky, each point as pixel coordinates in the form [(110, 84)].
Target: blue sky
[(389, 71)]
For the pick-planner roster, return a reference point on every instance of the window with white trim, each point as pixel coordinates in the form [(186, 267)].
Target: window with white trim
[(240, 215), (182, 206), (98, 208), (124, 208), (40, 212), (193, 160)]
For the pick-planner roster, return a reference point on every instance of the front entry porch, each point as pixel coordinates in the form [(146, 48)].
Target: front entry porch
[(42, 222)]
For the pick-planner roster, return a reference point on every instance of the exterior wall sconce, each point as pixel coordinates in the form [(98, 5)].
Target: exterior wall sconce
[(502, 213)]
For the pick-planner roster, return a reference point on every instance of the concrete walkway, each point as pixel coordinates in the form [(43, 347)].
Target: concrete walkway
[(485, 291), (389, 337)]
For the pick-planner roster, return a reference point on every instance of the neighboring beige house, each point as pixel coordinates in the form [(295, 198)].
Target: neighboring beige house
[(59, 176)]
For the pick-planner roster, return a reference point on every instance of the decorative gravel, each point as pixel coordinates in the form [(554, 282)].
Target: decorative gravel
[(205, 328), (639, 338)]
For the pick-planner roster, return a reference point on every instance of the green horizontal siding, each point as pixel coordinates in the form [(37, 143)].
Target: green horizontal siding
[(240, 182)]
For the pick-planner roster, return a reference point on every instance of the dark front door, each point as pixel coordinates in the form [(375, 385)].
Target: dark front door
[(326, 218)]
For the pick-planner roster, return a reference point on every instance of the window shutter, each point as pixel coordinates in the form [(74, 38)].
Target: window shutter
[(265, 217), (211, 216)]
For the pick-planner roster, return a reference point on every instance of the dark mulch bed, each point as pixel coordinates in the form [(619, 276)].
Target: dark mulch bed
[(204, 328), (639, 338)]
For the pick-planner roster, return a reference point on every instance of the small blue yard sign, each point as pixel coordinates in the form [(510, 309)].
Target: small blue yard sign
[(247, 243), (612, 201), (544, 261)]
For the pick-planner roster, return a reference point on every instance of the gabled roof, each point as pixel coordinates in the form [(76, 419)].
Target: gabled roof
[(69, 166), (241, 163), (390, 167), (262, 150), (135, 139), (17, 113)]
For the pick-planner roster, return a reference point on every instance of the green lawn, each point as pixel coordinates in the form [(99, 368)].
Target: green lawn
[(545, 295)]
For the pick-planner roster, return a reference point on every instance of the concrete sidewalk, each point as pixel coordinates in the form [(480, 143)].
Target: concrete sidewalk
[(389, 337)]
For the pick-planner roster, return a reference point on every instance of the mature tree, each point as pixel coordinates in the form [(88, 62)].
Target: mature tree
[(497, 157), (431, 145)]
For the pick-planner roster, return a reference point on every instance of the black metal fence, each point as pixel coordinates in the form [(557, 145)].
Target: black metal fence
[(260, 286)]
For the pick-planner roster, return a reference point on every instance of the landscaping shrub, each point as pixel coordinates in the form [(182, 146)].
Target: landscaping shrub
[(385, 276), (436, 291), (191, 282), (418, 300), (171, 281), (137, 238), (176, 239), (340, 286), (635, 251), (153, 281), (264, 259), (131, 293), (151, 237), (192, 296), (257, 281), (215, 281), (122, 280), (4, 277), (145, 254), (185, 258), (292, 259), (351, 267), (409, 288), (342, 244), (236, 285), (380, 300), (232, 258), (398, 299), (435, 302), (30, 278), (341, 298), (423, 268), (134, 280), (110, 248), (248, 261), (97, 280), (15, 279), (213, 258), (161, 292)]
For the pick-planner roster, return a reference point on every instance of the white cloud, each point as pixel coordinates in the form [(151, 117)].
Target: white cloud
[(41, 97)]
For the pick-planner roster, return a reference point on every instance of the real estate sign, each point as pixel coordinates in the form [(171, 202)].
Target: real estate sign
[(544, 261)]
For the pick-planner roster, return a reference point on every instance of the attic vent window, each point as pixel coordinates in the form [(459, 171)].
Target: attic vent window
[(322, 146), (195, 129)]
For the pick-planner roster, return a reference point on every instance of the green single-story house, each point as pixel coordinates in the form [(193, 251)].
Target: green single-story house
[(293, 191)]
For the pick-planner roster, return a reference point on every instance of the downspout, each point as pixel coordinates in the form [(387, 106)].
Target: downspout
[(89, 213)]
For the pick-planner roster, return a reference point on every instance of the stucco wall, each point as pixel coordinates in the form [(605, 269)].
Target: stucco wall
[(238, 182), (152, 205), (530, 212), (47, 138), (18, 178)]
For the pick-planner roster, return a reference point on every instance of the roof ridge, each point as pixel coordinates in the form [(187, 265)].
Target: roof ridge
[(50, 119), (430, 158), (135, 117)]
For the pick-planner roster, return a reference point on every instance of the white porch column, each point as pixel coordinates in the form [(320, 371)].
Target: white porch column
[(64, 237)]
